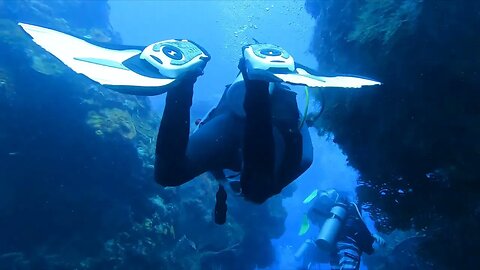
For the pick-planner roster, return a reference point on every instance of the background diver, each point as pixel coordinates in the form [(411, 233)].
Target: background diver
[(255, 130), (343, 234)]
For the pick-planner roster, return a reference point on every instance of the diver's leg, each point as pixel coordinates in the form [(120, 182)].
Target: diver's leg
[(172, 138), (347, 256), (258, 142), (299, 146), (215, 145), (277, 153), (297, 155), (307, 150), (180, 158)]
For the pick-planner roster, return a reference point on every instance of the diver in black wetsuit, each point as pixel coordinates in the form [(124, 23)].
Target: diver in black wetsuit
[(254, 130), (264, 143)]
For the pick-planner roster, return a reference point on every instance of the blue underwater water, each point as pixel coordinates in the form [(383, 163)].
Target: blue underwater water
[(77, 188)]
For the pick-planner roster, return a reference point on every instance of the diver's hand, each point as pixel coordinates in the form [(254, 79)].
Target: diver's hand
[(379, 240)]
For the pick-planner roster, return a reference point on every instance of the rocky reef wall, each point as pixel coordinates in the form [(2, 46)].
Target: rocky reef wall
[(414, 140)]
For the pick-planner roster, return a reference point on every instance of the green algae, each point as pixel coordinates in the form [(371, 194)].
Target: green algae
[(112, 120)]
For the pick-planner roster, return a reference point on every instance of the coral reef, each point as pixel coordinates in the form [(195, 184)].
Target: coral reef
[(129, 116), (44, 64), (112, 120), (12, 35)]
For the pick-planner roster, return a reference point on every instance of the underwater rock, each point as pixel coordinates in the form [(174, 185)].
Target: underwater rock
[(14, 260), (112, 121), (97, 34), (383, 20), (63, 15), (7, 89), (46, 65), (422, 119), (146, 128), (129, 116), (75, 185), (12, 35), (400, 252)]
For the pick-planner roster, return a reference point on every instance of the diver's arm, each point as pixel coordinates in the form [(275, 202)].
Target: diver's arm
[(379, 242)]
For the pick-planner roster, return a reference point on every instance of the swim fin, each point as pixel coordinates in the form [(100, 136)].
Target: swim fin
[(305, 226), (273, 63), (133, 70), (311, 196), (306, 76)]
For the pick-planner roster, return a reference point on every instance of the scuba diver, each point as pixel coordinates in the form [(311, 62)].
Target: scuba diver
[(253, 142), (254, 131), (343, 233)]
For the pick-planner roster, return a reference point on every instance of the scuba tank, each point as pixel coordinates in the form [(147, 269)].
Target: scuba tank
[(304, 248), (332, 226)]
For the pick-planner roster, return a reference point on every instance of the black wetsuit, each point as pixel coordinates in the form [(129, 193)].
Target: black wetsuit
[(266, 146)]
